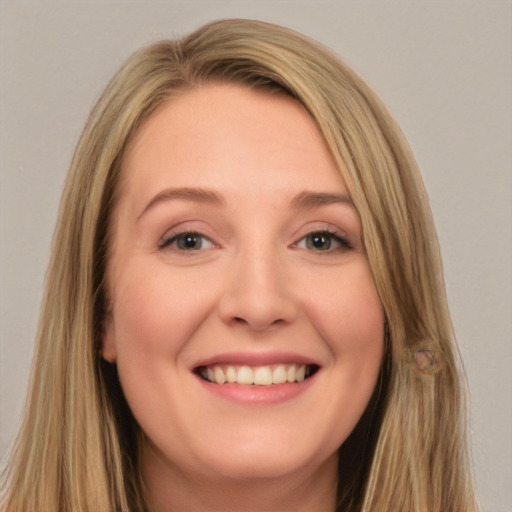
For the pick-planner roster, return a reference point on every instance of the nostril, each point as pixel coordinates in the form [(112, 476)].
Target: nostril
[(240, 320), (250, 309)]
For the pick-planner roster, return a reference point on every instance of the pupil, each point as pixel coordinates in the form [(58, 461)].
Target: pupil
[(320, 241), (190, 242)]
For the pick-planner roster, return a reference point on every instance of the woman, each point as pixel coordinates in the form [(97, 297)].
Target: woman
[(244, 308)]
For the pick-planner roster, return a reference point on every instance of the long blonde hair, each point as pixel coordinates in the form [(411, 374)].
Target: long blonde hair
[(77, 448)]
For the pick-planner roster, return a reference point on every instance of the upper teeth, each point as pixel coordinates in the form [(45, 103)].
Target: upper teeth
[(254, 375)]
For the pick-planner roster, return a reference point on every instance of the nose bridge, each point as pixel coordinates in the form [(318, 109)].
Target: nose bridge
[(259, 292)]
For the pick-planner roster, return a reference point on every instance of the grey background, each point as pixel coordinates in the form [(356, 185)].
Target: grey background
[(443, 67)]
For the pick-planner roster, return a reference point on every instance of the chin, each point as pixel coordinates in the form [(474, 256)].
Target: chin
[(255, 460)]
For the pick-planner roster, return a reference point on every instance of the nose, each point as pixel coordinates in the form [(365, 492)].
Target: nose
[(259, 293)]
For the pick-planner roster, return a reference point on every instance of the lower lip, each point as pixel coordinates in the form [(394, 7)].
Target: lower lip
[(274, 394)]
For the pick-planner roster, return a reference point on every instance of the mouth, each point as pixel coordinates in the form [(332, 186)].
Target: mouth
[(269, 375)]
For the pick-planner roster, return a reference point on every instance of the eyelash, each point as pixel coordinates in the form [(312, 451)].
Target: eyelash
[(343, 243), (175, 237)]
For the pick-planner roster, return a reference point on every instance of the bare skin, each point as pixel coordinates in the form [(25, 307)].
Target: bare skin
[(292, 493), (238, 262)]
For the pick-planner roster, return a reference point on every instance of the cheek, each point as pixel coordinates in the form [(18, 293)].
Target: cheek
[(348, 313), (350, 320), (155, 311)]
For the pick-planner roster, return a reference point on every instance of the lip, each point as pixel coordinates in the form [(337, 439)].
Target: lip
[(252, 395), (277, 393), (256, 359)]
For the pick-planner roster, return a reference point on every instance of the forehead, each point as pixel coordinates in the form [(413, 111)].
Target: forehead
[(224, 135)]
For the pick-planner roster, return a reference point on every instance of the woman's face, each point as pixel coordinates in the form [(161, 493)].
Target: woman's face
[(244, 322)]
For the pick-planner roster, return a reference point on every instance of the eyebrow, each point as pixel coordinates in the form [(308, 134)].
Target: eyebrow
[(309, 200), (198, 195), (302, 201)]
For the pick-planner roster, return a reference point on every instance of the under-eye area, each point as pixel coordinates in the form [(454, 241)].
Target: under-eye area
[(256, 375)]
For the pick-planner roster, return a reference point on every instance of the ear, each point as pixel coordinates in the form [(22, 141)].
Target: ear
[(107, 344)]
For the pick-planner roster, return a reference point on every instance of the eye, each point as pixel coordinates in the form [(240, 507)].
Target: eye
[(187, 241), (324, 241)]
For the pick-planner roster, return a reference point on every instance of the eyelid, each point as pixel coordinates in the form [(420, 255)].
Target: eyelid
[(321, 227), (170, 237), (341, 241)]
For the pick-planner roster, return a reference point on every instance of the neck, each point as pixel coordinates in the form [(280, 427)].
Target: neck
[(170, 489)]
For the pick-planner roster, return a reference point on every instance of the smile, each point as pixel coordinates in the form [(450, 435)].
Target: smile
[(256, 375)]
